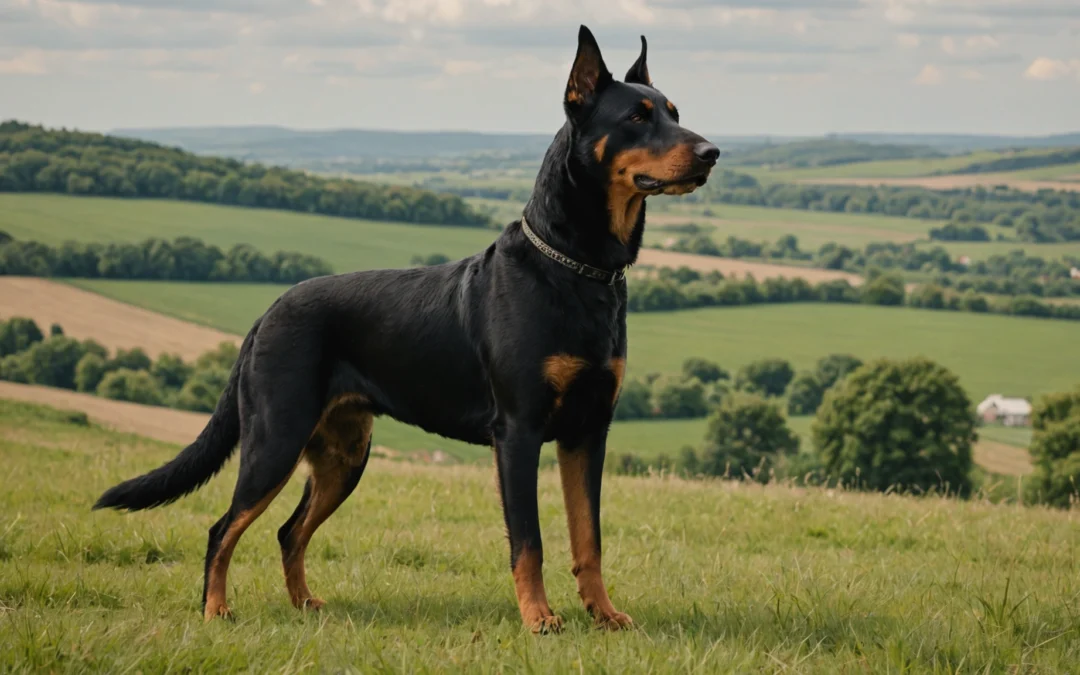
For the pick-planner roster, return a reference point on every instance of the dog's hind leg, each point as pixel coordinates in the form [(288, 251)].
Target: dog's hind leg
[(271, 442), (337, 453)]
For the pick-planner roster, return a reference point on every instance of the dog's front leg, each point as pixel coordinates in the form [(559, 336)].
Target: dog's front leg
[(517, 456), (582, 470)]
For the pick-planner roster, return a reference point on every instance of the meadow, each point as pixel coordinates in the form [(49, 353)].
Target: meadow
[(719, 577)]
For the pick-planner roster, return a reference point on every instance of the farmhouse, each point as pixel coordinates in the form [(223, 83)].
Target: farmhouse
[(1012, 412)]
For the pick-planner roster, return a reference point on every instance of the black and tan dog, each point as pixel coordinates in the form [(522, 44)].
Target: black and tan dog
[(520, 344)]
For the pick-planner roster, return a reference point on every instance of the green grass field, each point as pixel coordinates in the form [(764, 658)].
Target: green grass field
[(895, 168), (983, 250), (347, 244), (718, 577), (990, 353)]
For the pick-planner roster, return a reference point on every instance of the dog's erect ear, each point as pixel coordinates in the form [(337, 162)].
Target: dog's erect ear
[(589, 75), (639, 72)]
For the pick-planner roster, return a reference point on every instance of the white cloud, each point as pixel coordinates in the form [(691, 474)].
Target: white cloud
[(1044, 68), (930, 75), (256, 88), (947, 45), (28, 63), (908, 40), (981, 42), (973, 75)]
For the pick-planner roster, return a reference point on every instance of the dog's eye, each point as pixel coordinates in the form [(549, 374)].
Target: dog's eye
[(638, 118)]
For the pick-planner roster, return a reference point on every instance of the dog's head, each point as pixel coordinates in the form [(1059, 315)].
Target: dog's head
[(628, 135)]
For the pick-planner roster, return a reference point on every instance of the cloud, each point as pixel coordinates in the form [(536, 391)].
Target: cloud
[(947, 45), (1044, 68), (256, 88), (930, 75), (27, 63), (908, 40)]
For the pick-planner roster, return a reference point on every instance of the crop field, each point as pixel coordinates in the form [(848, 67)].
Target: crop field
[(981, 250), (735, 336), (718, 577), (348, 244)]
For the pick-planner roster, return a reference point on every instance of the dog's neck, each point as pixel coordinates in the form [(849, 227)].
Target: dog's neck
[(569, 210)]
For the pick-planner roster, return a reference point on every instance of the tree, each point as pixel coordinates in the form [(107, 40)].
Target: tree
[(89, 371), (886, 289), (17, 334), (1055, 448), (676, 398), (745, 436), (805, 394), (905, 424), (136, 386), (634, 401), (170, 371), (768, 377), (203, 389), (56, 329), (132, 359), (223, 356), (52, 362), (834, 367), (706, 371)]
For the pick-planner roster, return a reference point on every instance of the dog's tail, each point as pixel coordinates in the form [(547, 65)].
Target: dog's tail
[(197, 463)]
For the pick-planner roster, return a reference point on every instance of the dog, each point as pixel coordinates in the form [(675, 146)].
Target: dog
[(515, 346)]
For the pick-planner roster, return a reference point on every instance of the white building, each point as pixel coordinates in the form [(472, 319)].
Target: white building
[(1012, 412)]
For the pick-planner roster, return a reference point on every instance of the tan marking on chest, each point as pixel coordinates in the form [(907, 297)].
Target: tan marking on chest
[(617, 366), (560, 371)]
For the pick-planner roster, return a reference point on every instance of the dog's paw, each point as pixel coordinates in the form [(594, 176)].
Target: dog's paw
[(546, 625), (216, 611), (614, 620), (312, 605)]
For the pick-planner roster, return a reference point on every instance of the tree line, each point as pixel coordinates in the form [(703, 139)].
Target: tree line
[(29, 356), (36, 159), (683, 288), (1043, 216), (1013, 273), (183, 259)]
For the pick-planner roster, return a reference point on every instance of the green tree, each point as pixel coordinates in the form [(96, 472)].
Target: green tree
[(805, 394), (677, 398), (56, 329), (634, 401), (132, 359), (223, 356), (835, 367), (52, 362), (906, 424), (170, 371), (1055, 448), (768, 377), (706, 371), (13, 369), (17, 334), (745, 437), (89, 371), (886, 289), (203, 389), (136, 386)]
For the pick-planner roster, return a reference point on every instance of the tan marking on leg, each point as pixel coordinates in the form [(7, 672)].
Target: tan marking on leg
[(573, 468), (343, 445), (617, 365), (219, 566), (560, 371), (531, 596)]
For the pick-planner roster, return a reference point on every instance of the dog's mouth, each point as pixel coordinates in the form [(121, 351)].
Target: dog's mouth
[(647, 183)]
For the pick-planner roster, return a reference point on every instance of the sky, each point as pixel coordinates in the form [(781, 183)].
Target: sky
[(784, 67)]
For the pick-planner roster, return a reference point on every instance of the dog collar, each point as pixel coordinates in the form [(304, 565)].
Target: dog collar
[(587, 271)]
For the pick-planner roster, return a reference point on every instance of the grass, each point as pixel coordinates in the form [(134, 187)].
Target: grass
[(348, 244), (983, 250), (894, 168), (719, 577), (989, 353)]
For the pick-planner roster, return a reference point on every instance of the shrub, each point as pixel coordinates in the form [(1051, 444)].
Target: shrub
[(706, 371), (131, 359), (136, 386), (805, 394), (634, 401), (203, 389), (1055, 448), (745, 436), (886, 289), (905, 424), (17, 334), (678, 398), (89, 372), (52, 362), (768, 377), (170, 371)]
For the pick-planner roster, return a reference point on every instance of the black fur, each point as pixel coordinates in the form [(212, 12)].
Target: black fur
[(460, 349)]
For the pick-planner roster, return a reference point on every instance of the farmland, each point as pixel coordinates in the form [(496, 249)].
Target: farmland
[(413, 567), (735, 336)]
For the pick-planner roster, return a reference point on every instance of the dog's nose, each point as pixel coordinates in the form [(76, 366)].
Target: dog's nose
[(706, 152)]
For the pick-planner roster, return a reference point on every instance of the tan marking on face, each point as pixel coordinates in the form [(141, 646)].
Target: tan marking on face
[(531, 596), (647, 103), (599, 148), (671, 107), (624, 197), (584, 542), (574, 96), (560, 371), (617, 365)]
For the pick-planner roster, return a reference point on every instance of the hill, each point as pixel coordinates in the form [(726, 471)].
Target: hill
[(413, 568), (826, 152), (35, 159)]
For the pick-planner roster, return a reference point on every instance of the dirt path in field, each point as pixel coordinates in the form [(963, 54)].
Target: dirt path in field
[(952, 182), (163, 424), (83, 315), (730, 267)]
